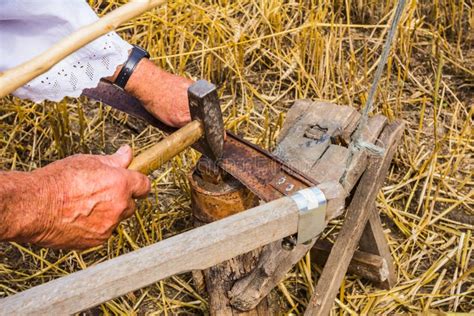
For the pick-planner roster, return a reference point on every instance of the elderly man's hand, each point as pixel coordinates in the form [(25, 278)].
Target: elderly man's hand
[(75, 202), (163, 94)]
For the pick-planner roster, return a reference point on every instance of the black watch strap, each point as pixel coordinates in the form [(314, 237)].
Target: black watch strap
[(135, 56)]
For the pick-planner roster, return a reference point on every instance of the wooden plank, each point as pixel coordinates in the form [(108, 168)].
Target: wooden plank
[(332, 164), (373, 241), (199, 248), (307, 131), (366, 265), (357, 216)]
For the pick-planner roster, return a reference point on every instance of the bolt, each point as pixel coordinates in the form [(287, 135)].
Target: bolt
[(281, 180), (288, 243)]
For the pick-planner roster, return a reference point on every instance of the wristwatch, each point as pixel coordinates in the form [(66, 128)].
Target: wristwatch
[(127, 69)]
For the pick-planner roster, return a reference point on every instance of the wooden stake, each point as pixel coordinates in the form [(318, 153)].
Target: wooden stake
[(16, 77)]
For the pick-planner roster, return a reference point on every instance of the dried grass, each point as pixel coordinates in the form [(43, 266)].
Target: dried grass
[(263, 55)]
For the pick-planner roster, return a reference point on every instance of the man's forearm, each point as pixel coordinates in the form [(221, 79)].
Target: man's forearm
[(23, 196)]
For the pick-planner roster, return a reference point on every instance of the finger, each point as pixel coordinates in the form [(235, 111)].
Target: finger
[(138, 183), (129, 211), (121, 159)]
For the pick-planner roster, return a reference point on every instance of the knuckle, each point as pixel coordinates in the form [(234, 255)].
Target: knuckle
[(121, 181), (104, 232), (146, 183), (121, 205)]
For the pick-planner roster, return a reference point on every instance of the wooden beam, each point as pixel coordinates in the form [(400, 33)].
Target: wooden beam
[(199, 248), (373, 241), (357, 216), (366, 265)]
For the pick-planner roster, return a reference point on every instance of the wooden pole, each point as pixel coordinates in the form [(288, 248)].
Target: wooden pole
[(14, 78), (196, 249)]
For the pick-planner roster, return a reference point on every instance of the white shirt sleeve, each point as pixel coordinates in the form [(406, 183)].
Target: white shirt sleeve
[(29, 27)]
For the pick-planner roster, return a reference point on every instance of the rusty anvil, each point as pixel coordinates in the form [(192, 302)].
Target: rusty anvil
[(256, 168)]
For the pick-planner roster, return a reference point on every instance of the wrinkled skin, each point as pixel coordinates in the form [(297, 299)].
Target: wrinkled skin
[(81, 201), (163, 94)]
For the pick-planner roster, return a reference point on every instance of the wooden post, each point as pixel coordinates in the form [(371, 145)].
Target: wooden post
[(216, 195), (357, 216)]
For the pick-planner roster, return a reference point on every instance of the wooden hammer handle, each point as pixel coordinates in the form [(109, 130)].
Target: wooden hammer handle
[(155, 156)]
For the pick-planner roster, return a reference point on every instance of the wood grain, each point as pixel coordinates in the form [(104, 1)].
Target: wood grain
[(152, 158), (299, 144), (373, 241), (366, 265)]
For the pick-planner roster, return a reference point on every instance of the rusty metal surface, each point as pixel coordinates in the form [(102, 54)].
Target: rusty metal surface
[(256, 168), (213, 201), (121, 100), (259, 170)]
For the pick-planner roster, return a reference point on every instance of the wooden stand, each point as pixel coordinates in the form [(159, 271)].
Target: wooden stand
[(314, 139)]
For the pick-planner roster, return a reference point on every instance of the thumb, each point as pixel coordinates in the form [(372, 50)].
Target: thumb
[(122, 157)]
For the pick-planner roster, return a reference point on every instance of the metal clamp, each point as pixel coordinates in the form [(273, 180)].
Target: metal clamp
[(311, 204)]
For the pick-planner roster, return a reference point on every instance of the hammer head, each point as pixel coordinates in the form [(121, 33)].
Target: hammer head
[(204, 106)]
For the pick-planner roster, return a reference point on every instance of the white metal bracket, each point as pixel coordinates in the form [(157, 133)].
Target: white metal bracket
[(311, 204)]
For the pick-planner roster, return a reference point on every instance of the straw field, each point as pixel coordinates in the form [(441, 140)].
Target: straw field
[(263, 55)]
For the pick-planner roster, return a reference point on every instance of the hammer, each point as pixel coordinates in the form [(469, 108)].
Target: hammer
[(205, 131)]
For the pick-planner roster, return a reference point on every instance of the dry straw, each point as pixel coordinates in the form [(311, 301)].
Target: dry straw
[(263, 55)]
